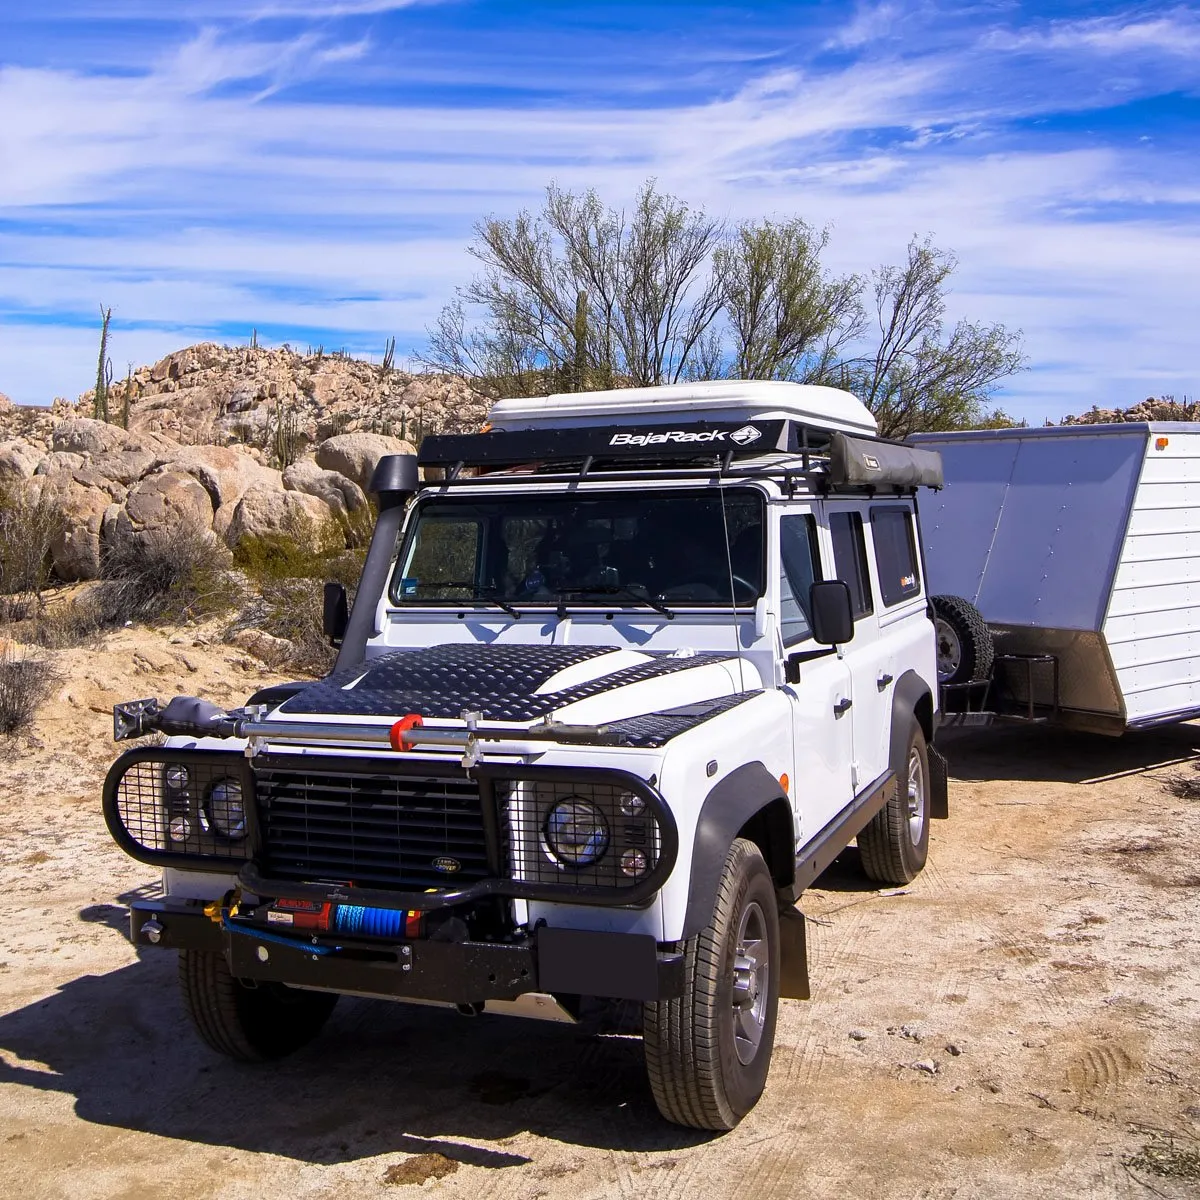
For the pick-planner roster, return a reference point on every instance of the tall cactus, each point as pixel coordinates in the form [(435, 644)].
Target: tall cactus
[(579, 382), (103, 368)]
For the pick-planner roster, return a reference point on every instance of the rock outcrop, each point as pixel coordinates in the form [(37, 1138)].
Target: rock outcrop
[(208, 428)]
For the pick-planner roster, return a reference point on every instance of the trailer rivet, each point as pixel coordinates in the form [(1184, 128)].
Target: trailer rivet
[(263, 954), (406, 967)]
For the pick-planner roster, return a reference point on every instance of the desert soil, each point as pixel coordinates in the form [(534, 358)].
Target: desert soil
[(1019, 1021)]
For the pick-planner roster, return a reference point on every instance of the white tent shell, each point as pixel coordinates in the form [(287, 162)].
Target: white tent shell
[(1081, 542)]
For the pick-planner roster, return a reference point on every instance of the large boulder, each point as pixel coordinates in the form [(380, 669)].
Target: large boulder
[(263, 511), (18, 461), (166, 500), (341, 494), (75, 549), (84, 435), (355, 454), (224, 471)]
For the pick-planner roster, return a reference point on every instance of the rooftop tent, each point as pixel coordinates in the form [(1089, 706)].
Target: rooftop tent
[(723, 400)]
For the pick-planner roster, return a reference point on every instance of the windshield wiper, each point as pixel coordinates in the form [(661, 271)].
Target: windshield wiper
[(619, 589), (477, 593)]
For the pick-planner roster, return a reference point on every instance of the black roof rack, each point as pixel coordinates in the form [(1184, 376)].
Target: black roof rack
[(702, 448)]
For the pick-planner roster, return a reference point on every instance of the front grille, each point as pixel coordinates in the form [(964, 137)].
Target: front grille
[(370, 830)]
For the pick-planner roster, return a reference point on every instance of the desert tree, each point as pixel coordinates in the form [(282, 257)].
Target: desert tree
[(921, 376), (582, 295), (786, 317)]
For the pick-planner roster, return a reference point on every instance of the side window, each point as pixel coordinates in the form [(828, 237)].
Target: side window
[(895, 554), (850, 559), (799, 569)]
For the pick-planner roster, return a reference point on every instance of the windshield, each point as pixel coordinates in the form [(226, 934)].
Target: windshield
[(619, 548)]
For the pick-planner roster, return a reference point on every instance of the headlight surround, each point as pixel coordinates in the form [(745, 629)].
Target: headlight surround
[(225, 809), (576, 832)]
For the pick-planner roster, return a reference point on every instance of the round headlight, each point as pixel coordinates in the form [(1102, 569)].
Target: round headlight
[(225, 810), (576, 832)]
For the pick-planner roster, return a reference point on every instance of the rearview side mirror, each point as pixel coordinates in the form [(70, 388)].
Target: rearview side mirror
[(335, 614), (832, 612)]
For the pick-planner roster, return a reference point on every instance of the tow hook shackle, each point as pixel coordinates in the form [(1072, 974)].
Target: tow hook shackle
[(397, 734)]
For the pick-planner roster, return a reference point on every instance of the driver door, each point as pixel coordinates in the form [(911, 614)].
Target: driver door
[(822, 730)]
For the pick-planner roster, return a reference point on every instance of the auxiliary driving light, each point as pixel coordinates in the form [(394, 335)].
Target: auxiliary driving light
[(225, 810), (177, 777), (180, 829), (576, 832), (632, 805), (633, 863)]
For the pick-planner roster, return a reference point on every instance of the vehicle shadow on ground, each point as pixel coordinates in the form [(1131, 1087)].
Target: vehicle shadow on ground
[(1042, 754), (382, 1077)]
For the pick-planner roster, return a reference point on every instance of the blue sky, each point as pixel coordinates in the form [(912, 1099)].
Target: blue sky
[(313, 170)]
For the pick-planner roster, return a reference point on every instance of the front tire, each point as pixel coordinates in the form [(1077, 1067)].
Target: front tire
[(248, 1023), (895, 845), (708, 1051)]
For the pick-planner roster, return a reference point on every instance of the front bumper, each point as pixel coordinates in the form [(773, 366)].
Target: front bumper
[(616, 966)]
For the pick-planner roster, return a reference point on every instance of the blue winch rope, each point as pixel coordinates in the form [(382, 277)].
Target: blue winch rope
[(263, 936), (376, 922)]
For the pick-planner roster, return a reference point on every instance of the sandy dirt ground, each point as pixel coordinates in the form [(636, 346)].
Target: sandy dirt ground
[(1020, 1021)]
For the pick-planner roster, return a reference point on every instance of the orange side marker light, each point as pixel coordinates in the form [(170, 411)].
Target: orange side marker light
[(783, 782), (398, 731), (1161, 443)]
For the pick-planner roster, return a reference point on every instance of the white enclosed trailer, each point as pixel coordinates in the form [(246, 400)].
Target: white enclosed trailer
[(1080, 546)]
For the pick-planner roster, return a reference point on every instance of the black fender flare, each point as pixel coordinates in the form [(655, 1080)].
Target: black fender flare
[(736, 800), (913, 698)]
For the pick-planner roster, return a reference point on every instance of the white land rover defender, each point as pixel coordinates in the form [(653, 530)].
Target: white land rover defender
[(617, 686)]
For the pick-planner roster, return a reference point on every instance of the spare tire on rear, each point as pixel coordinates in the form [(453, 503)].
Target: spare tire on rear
[(964, 643)]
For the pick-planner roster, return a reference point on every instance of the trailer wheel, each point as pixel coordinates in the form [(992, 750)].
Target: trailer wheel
[(249, 1023), (707, 1052), (894, 846), (964, 642)]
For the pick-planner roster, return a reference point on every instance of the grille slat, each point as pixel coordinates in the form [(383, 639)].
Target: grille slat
[(382, 831)]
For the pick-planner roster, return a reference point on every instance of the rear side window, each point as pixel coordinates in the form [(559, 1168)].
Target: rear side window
[(800, 569), (850, 559), (895, 554)]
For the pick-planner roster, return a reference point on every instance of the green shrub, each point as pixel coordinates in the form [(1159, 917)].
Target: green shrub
[(307, 549)]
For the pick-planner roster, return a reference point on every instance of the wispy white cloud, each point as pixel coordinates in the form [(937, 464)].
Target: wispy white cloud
[(1175, 33), (870, 23)]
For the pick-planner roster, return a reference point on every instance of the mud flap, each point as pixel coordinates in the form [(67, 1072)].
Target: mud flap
[(939, 788), (793, 955)]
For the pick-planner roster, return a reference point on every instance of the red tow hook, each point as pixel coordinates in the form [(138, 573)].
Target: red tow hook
[(398, 731)]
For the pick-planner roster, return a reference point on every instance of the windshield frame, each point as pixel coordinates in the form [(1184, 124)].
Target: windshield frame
[(570, 598)]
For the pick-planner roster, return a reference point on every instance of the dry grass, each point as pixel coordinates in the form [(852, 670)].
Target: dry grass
[(168, 576), (25, 682), (27, 530)]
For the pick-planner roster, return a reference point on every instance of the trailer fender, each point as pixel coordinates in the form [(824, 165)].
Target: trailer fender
[(748, 802), (912, 698)]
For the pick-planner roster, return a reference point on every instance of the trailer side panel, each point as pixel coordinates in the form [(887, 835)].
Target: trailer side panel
[(1152, 625)]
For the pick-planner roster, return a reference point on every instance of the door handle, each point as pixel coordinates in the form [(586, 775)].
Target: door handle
[(842, 705), (883, 681)]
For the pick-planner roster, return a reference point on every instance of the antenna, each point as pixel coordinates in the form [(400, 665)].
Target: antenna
[(737, 648)]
